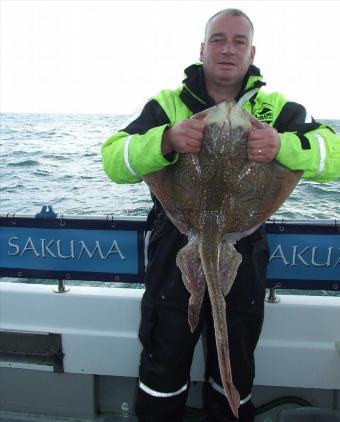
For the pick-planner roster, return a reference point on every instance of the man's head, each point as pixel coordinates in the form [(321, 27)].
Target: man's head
[(232, 12), (227, 50)]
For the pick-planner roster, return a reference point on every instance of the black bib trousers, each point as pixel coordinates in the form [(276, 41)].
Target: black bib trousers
[(168, 344)]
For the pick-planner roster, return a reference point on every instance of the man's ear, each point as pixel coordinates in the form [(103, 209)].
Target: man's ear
[(201, 51), (252, 53)]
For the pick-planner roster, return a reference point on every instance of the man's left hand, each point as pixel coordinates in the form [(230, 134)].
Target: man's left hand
[(263, 144)]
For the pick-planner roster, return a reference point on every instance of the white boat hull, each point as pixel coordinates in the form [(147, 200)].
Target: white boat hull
[(298, 353)]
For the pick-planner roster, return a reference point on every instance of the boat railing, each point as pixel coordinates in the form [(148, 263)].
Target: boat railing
[(304, 254)]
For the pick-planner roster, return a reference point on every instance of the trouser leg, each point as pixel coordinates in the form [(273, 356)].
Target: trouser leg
[(243, 332), (243, 335), (218, 410), (160, 409), (168, 347)]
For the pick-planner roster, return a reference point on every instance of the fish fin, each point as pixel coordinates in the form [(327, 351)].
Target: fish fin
[(189, 263), (229, 262)]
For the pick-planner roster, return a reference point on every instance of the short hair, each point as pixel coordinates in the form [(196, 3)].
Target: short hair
[(232, 12)]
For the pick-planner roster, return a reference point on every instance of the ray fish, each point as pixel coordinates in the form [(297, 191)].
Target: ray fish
[(216, 197)]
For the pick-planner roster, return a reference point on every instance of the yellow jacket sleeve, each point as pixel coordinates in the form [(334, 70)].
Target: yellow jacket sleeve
[(320, 162)]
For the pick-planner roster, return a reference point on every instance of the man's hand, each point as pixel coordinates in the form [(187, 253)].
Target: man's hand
[(263, 143), (185, 136)]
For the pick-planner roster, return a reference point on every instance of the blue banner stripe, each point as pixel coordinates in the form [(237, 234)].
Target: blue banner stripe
[(301, 255), (107, 251), (304, 257)]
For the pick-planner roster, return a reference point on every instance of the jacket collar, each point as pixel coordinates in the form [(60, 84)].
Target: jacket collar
[(194, 93)]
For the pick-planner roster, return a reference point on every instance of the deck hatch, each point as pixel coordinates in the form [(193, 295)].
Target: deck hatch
[(32, 348)]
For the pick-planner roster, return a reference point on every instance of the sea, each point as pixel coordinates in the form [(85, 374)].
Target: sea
[(55, 159)]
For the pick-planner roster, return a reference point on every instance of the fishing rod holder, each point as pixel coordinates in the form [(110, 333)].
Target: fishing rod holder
[(61, 288), (271, 297)]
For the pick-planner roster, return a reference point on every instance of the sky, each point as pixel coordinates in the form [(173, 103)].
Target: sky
[(95, 56)]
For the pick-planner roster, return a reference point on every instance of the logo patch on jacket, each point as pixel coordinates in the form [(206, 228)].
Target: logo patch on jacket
[(265, 114)]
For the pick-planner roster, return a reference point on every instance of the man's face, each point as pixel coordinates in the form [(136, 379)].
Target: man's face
[(227, 52)]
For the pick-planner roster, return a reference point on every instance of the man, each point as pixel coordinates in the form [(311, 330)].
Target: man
[(163, 130)]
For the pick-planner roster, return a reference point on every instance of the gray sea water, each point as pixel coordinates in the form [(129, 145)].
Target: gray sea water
[(55, 159)]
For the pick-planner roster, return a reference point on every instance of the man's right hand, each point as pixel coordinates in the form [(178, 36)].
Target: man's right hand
[(185, 136)]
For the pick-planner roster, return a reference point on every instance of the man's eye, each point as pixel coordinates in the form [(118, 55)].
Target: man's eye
[(216, 40)]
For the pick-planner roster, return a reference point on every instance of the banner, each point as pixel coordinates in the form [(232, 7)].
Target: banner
[(302, 255), (76, 249)]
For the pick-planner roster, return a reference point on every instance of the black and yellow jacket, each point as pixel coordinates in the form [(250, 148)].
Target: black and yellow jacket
[(305, 144)]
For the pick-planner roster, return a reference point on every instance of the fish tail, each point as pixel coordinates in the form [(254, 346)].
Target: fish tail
[(209, 252), (230, 390)]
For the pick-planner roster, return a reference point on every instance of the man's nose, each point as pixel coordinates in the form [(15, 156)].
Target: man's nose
[(228, 48)]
